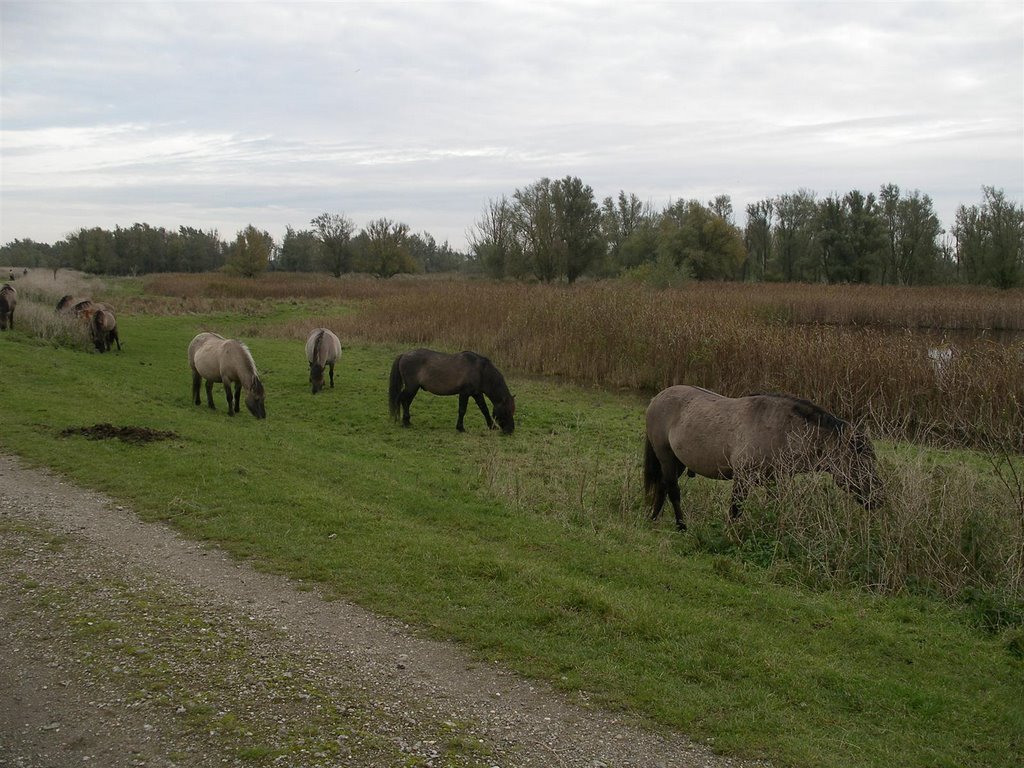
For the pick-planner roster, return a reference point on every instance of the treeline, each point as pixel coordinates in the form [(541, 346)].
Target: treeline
[(331, 244), (557, 230)]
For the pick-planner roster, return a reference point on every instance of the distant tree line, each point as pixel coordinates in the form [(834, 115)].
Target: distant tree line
[(557, 230)]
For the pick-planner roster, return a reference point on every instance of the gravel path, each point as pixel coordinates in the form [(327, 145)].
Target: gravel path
[(124, 644)]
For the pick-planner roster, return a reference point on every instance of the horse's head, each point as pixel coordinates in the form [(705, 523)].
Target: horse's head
[(857, 473), (505, 413), (254, 400), (316, 377)]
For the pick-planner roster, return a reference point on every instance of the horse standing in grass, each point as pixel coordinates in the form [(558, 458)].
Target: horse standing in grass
[(465, 374), (103, 329), (750, 440), (227, 361), (323, 348), (8, 300)]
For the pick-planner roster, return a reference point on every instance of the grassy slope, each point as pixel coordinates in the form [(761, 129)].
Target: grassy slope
[(408, 523)]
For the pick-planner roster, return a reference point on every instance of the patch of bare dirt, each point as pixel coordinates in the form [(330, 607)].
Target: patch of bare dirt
[(126, 434), (124, 644)]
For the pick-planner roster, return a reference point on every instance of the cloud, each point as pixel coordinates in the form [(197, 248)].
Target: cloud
[(240, 113)]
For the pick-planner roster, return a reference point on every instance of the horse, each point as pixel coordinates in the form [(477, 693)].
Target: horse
[(323, 348), (216, 359), (750, 440), (8, 300), (465, 374), (103, 329)]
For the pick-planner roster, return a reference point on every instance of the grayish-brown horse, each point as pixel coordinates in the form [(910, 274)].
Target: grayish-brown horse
[(323, 348), (227, 361), (465, 374), (750, 440), (103, 328), (8, 300)]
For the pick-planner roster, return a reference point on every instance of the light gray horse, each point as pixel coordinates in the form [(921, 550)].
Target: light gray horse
[(323, 348), (227, 361), (103, 329), (750, 440)]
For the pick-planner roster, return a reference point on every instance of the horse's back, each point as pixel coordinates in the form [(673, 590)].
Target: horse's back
[(204, 355), (439, 373), (330, 346)]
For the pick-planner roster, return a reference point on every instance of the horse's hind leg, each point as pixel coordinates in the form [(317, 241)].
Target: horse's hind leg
[(331, 369), (197, 381), (209, 394), (406, 400), (739, 494)]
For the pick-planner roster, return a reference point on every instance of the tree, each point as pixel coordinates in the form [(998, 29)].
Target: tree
[(693, 236), (577, 224), (493, 241), (629, 231), (385, 250), (990, 241), (431, 257), (536, 230), (794, 236), (250, 254), (758, 238), (912, 232), (335, 234), (300, 251)]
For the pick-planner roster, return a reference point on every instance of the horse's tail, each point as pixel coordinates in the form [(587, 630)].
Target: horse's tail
[(395, 389), (652, 468)]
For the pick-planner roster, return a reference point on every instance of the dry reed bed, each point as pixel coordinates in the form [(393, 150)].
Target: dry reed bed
[(616, 335)]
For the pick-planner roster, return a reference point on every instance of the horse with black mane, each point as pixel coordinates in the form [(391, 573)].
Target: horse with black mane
[(750, 440), (465, 374), (323, 348), (227, 361), (8, 300)]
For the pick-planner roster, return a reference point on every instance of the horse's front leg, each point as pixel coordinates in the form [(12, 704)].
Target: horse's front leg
[(739, 495), (483, 409), (238, 395), (231, 405), (209, 394), (463, 403)]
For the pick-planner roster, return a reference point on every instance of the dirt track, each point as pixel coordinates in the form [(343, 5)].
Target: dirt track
[(126, 645)]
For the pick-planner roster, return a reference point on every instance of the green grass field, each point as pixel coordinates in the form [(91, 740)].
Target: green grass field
[(531, 550)]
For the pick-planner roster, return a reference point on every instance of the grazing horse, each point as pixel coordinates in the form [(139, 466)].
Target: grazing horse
[(8, 300), (216, 359), (103, 328), (465, 374), (750, 440), (323, 349)]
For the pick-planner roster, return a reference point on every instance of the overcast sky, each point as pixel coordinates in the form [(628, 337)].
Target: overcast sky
[(221, 115)]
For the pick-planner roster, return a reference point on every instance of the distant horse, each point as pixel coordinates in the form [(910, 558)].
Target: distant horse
[(103, 329), (750, 440), (323, 349), (228, 361), (8, 300), (465, 374)]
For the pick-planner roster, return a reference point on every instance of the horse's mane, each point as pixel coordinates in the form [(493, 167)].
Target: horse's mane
[(813, 414), (317, 344)]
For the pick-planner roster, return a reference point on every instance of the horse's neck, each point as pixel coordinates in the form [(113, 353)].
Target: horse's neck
[(494, 385)]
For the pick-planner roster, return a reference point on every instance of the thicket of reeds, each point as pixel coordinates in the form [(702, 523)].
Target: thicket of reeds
[(919, 365)]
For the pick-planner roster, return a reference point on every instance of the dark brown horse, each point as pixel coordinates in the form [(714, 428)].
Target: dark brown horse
[(750, 440), (323, 348), (103, 329), (465, 374), (228, 361), (8, 300)]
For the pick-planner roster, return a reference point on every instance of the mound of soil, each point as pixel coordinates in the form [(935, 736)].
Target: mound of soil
[(127, 434)]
